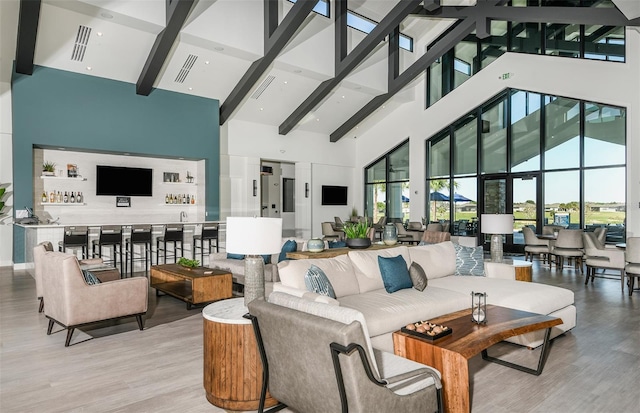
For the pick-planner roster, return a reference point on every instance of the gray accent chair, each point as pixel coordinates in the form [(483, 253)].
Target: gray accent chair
[(598, 256), (72, 303), (632, 256), (316, 364), (534, 246)]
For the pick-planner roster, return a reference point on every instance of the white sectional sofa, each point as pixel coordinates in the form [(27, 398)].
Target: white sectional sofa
[(358, 284)]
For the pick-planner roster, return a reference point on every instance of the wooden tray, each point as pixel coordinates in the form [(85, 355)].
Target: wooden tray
[(427, 336)]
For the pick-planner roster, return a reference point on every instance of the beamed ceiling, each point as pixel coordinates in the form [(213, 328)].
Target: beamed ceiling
[(293, 69)]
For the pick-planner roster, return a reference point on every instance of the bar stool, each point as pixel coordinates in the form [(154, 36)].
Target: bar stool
[(75, 237), (173, 233), (209, 233), (110, 236), (141, 235)]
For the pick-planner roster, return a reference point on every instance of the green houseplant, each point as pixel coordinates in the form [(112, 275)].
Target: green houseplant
[(356, 235), (49, 168)]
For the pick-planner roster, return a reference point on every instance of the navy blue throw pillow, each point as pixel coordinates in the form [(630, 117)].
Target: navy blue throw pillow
[(235, 256), (267, 259), (337, 244), (395, 274), (289, 246)]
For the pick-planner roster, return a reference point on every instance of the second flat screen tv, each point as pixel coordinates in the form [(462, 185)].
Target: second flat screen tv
[(120, 180), (334, 195)]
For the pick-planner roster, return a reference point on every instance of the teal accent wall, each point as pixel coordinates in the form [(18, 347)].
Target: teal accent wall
[(58, 108)]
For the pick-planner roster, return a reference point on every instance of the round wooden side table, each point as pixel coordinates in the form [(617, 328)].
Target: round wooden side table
[(232, 366)]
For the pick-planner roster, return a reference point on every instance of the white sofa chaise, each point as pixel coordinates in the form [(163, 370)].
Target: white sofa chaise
[(358, 284)]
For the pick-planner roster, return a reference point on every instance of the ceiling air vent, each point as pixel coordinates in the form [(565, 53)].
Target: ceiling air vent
[(80, 46), (263, 86), (186, 68)]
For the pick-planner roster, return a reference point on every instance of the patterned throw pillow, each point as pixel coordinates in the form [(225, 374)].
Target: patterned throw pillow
[(90, 277), (418, 276), (469, 260), (395, 274), (289, 246), (317, 282)]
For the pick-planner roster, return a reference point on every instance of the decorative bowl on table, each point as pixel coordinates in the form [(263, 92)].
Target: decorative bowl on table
[(426, 329), (315, 245), (358, 243)]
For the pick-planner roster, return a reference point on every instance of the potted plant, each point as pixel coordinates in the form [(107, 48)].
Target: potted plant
[(356, 235), (188, 264), (49, 168)]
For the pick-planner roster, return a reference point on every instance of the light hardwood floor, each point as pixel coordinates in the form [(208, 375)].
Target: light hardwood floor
[(113, 367)]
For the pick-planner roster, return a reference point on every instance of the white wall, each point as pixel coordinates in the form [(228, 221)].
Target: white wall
[(603, 82), (6, 175)]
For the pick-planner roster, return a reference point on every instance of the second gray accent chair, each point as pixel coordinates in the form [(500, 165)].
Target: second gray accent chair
[(319, 359)]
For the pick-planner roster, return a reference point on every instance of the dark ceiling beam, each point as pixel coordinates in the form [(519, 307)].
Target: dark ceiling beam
[(177, 13), (564, 15), (27, 33), (273, 46), (350, 62), (340, 36), (453, 37)]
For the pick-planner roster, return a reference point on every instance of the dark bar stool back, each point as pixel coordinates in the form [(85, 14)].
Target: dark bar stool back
[(141, 235), (209, 233), (174, 234), (110, 236), (75, 237)]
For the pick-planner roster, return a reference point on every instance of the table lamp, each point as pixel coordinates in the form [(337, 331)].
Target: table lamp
[(496, 225), (253, 237)]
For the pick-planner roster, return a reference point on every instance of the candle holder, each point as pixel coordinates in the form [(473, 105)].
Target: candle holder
[(479, 307)]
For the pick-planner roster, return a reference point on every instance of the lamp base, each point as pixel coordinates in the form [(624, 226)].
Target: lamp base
[(253, 278), (496, 248)]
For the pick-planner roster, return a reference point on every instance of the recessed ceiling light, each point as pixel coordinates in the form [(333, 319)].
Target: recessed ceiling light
[(106, 15), (297, 71), (218, 48), (190, 88), (285, 82), (261, 108), (317, 119), (89, 68), (206, 62), (342, 96), (99, 34), (383, 106)]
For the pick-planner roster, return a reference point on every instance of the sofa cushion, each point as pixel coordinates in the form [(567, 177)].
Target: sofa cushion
[(418, 277), (367, 270), (395, 275), (338, 270), (469, 260), (437, 260), (317, 282), (289, 246), (386, 312), (525, 296)]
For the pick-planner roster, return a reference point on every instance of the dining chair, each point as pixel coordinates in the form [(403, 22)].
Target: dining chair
[(632, 256), (412, 237), (598, 256), (569, 245), (535, 246), (328, 233), (434, 226), (601, 234)]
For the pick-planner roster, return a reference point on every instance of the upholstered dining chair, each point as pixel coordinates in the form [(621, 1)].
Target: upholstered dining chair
[(534, 246), (328, 233), (434, 226), (598, 256), (435, 237), (72, 303), (412, 237), (632, 256), (568, 245), (601, 234), (336, 369)]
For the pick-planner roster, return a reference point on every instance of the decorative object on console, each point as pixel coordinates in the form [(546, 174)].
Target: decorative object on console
[(253, 237), (48, 168), (390, 234), (496, 225), (72, 170), (479, 307), (356, 235), (315, 245)]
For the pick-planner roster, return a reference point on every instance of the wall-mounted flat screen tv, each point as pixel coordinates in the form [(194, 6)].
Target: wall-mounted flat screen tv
[(334, 195), (120, 180)]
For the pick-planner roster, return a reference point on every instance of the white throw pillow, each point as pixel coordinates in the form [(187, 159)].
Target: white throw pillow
[(437, 260)]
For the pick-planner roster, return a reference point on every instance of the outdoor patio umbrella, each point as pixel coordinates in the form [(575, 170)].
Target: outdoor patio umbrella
[(435, 197), (460, 198)]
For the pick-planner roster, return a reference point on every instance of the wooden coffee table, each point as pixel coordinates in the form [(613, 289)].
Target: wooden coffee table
[(450, 354), (199, 285)]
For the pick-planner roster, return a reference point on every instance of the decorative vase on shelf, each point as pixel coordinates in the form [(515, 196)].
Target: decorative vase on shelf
[(358, 243), (315, 245), (390, 235)]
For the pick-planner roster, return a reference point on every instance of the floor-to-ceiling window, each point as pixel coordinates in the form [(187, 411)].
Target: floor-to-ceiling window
[(546, 159), (387, 185)]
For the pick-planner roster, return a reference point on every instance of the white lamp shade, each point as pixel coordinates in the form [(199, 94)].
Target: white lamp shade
[(497, 223), (254, 236)]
